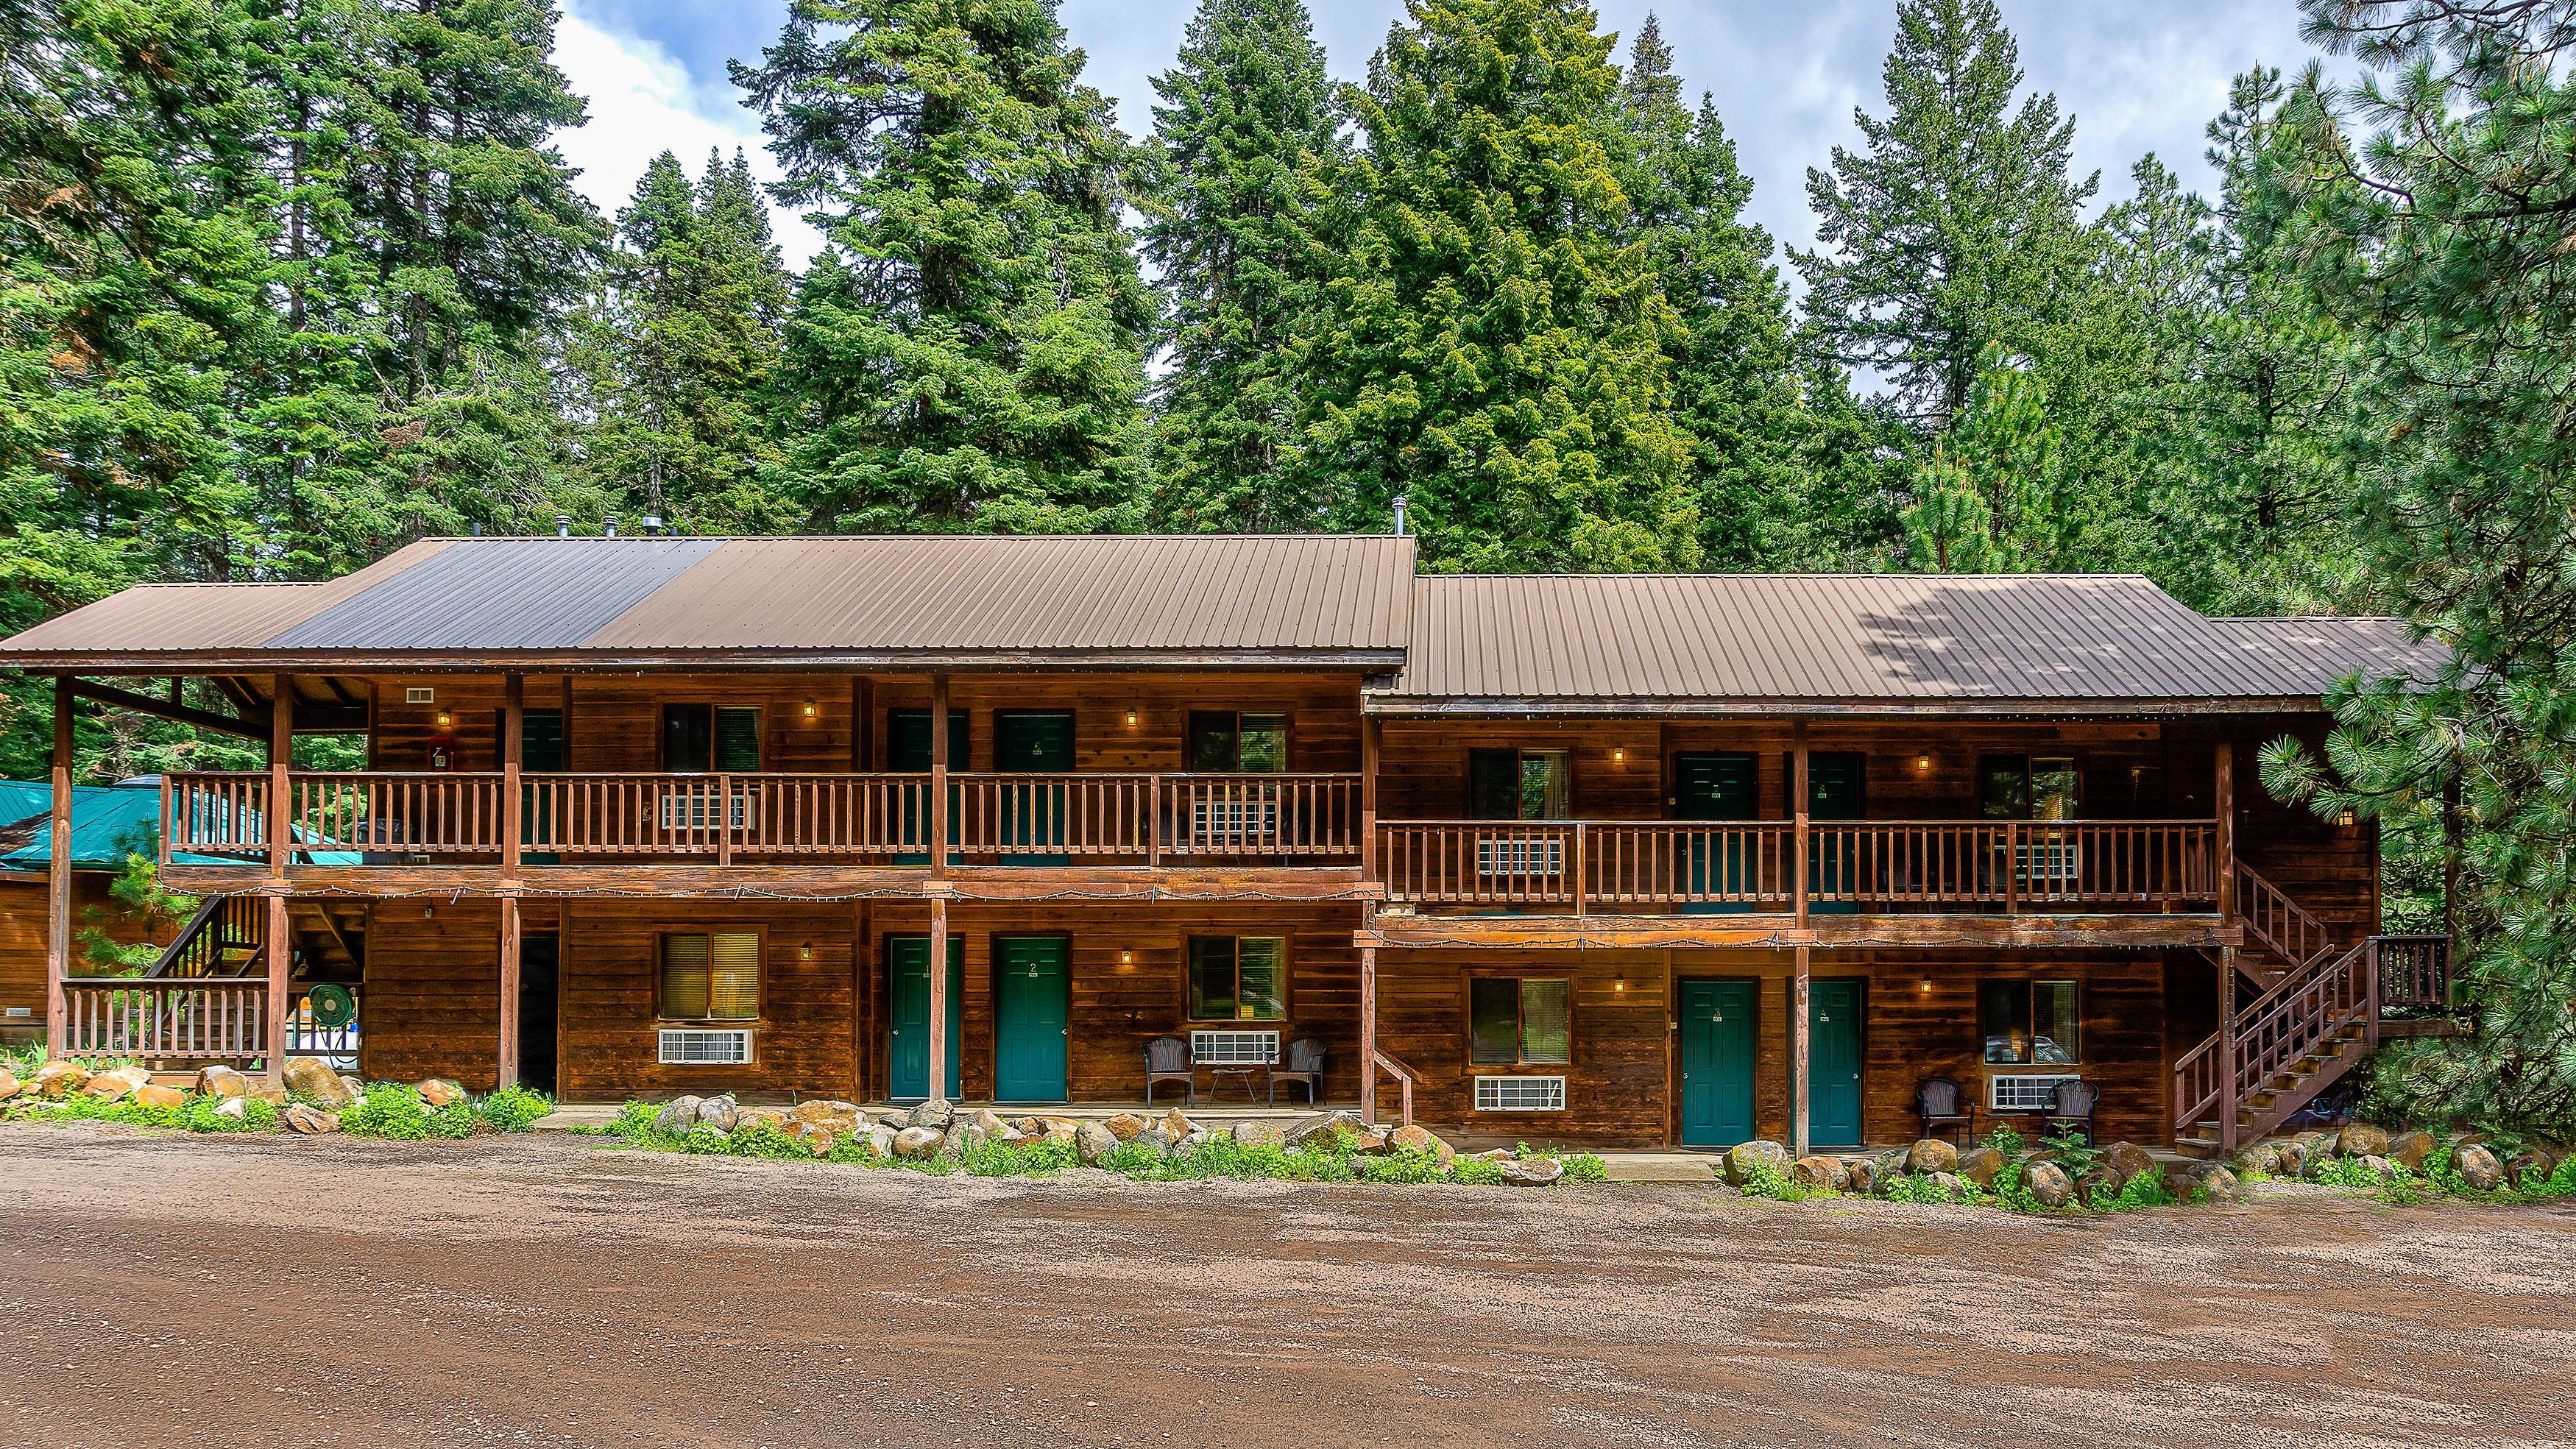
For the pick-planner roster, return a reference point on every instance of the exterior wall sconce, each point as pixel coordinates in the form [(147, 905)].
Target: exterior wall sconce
[(1922, 762), (1925, 987), (805, 952), (445, 719), (1131, 719), (1620, 755), (1618, 985), (811, 710), (1126, 958), (2345, 817)]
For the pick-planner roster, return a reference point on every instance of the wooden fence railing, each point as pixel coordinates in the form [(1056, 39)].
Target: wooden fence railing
[(720, 816), (1404, 1080), (2309, 1007), (222, 925), (132, 1016), (2278, 923), (2414, 974), (2010, 865)]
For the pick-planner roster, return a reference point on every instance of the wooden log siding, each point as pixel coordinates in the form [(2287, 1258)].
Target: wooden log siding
[(202, 1018)]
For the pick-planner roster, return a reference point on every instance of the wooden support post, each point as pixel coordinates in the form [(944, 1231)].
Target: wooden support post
[(938, 829), (2223, 804), (514, 738), (281, 823), (1799, 1033), (1368, 1031), (1372, 731), (58, 876), (1798, 805), (860, 957), (505, 1070), (1576, 884), (940, 1046), (2227, 1098), (863, 724)]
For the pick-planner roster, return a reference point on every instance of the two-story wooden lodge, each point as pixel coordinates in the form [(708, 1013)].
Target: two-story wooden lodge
[(1609, 860)]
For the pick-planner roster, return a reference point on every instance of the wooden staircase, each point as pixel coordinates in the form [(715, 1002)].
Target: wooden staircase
[(228, 936), (2318, 1014)]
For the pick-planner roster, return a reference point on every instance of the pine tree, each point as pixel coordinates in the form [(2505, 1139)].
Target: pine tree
[(679, 352), (968, 353), (1992, 498), (1245, 122), (1736, 385), (2439, 243), (1957, 228), (1492, 347)]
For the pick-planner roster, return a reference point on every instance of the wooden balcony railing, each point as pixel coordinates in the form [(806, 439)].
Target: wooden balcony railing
[(2006, 865), (1149, 817), (2414, 974), (204, 1017)]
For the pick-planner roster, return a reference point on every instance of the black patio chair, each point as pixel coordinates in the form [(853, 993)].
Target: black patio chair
[(1167, 1060), (1302, 1062), (1941, 1105), (2070, 1109)]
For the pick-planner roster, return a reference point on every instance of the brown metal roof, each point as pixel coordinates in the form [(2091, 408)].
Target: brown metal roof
[(2318, 653), (1901, 639), (617, 600)]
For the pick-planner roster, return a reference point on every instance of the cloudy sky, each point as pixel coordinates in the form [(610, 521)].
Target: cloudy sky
[(2136, 77)]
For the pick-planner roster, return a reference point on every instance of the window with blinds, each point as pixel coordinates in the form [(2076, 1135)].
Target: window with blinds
[(713, 976), (1514, 1020)]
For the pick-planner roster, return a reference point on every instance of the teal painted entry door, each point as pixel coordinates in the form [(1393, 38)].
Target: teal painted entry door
[(1837, 789), (1031, 1004), (1834, 1063), (1715, 787), (908, 1013), (1031, 741), (1717, 1050)]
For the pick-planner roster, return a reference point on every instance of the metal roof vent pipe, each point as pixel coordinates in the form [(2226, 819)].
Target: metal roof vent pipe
[(563, 525), (653, 524), (1399, 515), (612, 526)]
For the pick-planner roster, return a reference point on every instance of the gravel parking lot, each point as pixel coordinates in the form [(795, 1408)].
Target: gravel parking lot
[(165, 1290)]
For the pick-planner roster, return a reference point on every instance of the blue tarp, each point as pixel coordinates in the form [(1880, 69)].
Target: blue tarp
[(108, 821)]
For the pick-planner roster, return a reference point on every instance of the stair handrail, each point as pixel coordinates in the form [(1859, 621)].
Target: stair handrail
[(189, 955), (2309, 1006), (2278, 923)]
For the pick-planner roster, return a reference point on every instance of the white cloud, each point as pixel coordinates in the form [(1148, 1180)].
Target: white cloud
[(642, 103)]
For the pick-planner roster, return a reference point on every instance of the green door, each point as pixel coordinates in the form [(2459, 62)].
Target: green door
[(541, 752), (908, 1013), (1027, 742), (1715, 787), (908, 753), (1834, 1063), (1717, 1049), (1837, 789), (1031, 983)]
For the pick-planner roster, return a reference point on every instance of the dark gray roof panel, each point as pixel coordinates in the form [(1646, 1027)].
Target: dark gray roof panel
[(503, 593)]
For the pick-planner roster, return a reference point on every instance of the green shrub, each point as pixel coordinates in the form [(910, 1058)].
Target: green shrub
[(1761, 1179), (1476, 1172), (513, 1109), (1406, 1166), (1584, 1167)]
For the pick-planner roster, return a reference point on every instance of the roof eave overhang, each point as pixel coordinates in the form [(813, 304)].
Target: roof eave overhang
[(486, 661), (1428, 706)]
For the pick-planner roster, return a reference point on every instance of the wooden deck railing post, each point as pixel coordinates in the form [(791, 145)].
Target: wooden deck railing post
[(58, 874), (2223, 803), (2371, 991), (514, 732), (1798, 801), (1368, 1029), (939, 765), (1577, 865), (1800, 1032), (2227, 1097), (936, 1084), (724, 819), (1154, 817)]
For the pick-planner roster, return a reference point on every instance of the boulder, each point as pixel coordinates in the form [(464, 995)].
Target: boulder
[(2477, 1166), (2122, 1161), (1889, 1165), (108, 1087), (769, 1117), (2263, 1157), (2048, 1184), (1049, 1126), (839, 1116), (2362, 1139), (1820, 1174), (815, 1137), (1124, 1126), (917, 1144), (962, 1137), (879, 1140), (1980, 1164), (1093, 1142), (719, 1113), (678, 1117), (1367, 1141), (311, 1121), (354, 1087), (165, 1098), (935, 1114), (1061, 1131), (1177, 1123), (1952, 1185), (1931, 1154), (1863, 1174), (313, 1078), (436, 1092), (233, 1109), (1743, 1156), (1418, 1138), (1260, 1134), (57, 1080), (2374, 1164), (1323, 1125), (2411, 1150), (2221, 1185), (220, 1081), (8, 1084), (2290, 1159), (2533, 1165), (990, 1124), (1154, 1140), (1532, 1171)]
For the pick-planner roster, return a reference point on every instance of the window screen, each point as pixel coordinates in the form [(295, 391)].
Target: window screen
[(697, 738), (1517, 1019)]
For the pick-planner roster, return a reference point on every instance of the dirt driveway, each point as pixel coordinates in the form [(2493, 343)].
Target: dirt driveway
[(162, 1291)]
